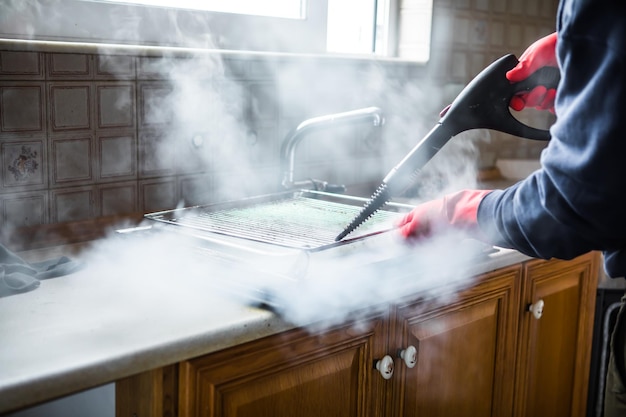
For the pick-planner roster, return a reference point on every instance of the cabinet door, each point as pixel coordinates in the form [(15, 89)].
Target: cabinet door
[(290, 374), (555, 349), (465, 351)]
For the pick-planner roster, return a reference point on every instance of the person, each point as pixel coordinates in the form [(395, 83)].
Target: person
[(575, 202)]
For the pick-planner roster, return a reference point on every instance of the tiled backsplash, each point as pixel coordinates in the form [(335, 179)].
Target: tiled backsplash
[(469, 34), (85, 134)]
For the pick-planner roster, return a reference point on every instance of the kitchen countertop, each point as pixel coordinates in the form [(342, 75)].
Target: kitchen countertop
[(134, 307)]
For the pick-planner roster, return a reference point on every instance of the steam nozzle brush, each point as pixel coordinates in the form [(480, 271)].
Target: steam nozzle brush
[(483, 104)]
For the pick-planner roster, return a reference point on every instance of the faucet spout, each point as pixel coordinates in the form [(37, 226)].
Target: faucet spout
[(372, 115)]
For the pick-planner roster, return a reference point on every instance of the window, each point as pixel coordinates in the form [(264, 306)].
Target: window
[(297, 26), (290, 9)]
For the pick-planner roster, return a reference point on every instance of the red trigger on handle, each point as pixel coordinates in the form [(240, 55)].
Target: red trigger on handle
[(445, 110)]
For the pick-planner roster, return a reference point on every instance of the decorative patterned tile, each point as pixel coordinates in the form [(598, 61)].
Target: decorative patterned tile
[(70, 106), (479, 32), (22, 107), (23, 164), (115, 105), (21, 65)]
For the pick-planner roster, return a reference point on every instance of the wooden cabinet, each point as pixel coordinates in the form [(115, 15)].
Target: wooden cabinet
[(554, 352), (465, 351), (292, 374), (479, 353)]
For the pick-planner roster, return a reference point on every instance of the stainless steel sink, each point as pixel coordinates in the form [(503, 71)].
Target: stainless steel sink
[(302, 219)]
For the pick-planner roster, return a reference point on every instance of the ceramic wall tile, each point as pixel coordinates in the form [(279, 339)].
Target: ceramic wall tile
[(115, 105), (155, 107), (86, 135), (262, 101), (118, 198), (71, 106), (24, 209), (18, 65), (22, 108), (262, 144), (157, 154), (157, 194), (70, 66), (72, 160), (117, 67), (23, 165), (72, 204), (117, 155), (193, 152), (169, 68), (497, 33), (196, 189)]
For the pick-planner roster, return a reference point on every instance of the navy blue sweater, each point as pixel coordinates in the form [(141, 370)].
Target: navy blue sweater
[(576, 202)]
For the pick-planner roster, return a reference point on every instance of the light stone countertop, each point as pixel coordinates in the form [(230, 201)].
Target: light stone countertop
[(111, 320)]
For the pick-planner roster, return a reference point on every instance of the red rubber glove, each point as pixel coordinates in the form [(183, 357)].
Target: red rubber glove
[(542, 53), (454, 211)]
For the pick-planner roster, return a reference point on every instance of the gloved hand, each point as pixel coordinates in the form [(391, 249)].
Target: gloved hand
[(542, 53), (454, 211)]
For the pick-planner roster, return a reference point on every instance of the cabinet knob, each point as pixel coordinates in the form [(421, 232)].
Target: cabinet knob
[(385, 366), (409, 356), (536, 308)]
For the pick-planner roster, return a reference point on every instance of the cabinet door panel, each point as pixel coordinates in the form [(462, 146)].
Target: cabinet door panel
[(293, 374), (555, 350), (465, 353)]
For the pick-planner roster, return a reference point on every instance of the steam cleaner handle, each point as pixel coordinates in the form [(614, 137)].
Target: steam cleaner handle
[(484, 102)]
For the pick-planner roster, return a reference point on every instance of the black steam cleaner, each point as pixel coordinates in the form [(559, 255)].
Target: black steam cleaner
[(482, 104)]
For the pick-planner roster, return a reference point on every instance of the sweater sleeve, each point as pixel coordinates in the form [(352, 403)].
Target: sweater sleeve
[(576, 202)]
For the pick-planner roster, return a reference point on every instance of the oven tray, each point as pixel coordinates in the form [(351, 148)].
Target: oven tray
[(302, 219)]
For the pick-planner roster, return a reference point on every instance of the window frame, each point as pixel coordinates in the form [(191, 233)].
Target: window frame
[(90, 21)]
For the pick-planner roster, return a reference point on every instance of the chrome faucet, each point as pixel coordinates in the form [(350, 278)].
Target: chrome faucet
[(372, 115)]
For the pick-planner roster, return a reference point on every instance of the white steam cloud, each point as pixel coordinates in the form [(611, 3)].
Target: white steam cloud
[(208, 113)]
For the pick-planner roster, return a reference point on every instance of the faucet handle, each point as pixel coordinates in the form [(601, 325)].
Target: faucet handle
[(333, 188), (319, 185)]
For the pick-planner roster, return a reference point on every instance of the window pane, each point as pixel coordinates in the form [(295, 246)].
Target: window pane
[(351, 25), (293, 9)]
